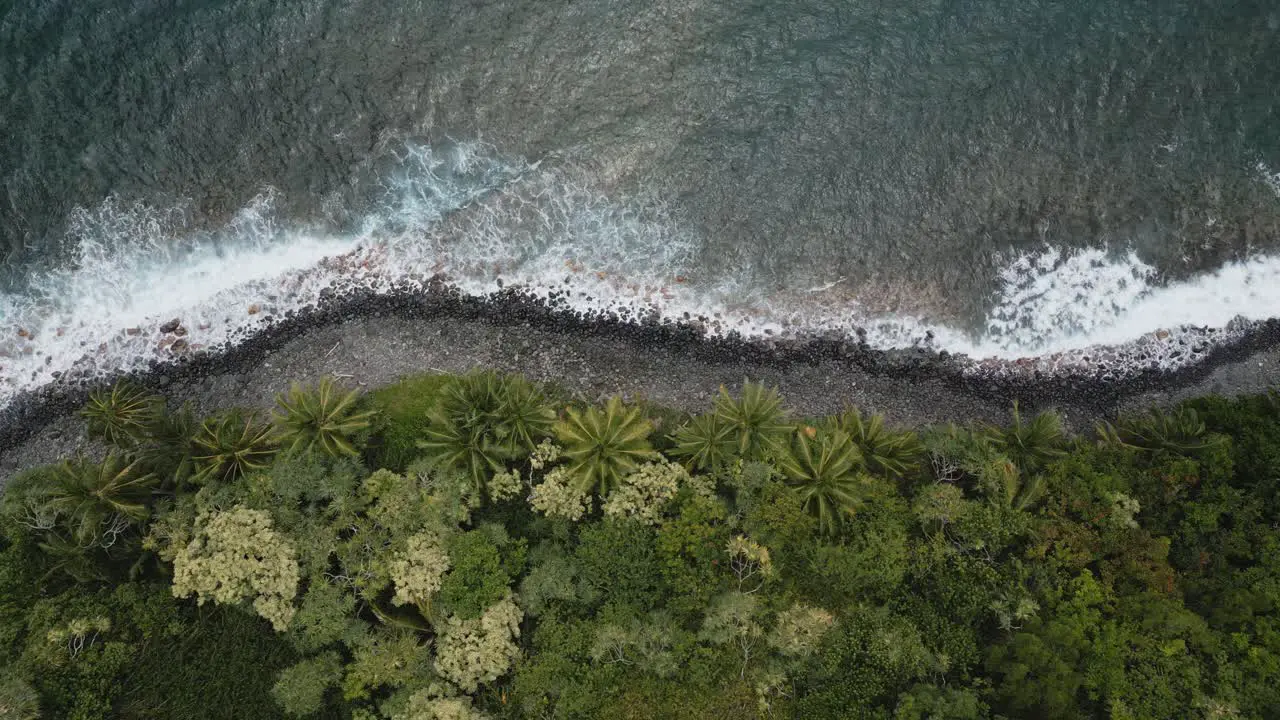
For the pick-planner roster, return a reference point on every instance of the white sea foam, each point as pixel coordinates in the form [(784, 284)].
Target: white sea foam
[(489, 223)]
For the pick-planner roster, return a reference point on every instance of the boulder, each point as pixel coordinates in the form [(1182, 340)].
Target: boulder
[(171, 325)]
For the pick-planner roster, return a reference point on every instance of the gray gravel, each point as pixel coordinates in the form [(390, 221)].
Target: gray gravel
[(371, 352)]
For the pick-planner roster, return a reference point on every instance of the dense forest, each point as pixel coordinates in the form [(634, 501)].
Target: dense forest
[(478, 546)]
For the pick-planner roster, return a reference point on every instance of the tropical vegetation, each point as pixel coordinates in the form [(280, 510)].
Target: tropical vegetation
[(479, 546)]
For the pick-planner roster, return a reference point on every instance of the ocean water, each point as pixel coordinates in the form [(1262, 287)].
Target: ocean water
[(1005, 179)]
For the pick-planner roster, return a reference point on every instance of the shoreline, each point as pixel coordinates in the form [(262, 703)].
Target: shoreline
[(367, 340)]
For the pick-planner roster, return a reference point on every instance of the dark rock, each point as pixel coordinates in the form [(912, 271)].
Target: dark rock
[(171, 325)]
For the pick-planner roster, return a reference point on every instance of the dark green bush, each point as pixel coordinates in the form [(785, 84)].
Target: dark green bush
[(402, 420)]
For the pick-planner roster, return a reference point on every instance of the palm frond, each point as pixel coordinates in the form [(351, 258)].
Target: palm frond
[(321, 418), (822, 468), (604, 445), (756, 420), (99, 499), (883, 451), (231, 445), (169, 447), (1179, 431), (705, 442), (120, 414), (1031, 445)]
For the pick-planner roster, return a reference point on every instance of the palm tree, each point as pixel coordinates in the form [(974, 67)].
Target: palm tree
[(961, 454), (524, 416), (1180, 431), (705, 442), (322, 417), (604, 445), (120, 414), (169, 448), (757, 421), (883, 451), (484, 420), (100, 500), (230, 445), (823, 469), (1031, 445)]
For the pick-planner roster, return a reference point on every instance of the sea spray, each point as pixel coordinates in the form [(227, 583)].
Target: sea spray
[(483, 222)]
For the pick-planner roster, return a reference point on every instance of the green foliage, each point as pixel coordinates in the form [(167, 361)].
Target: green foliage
[(1031, 445), (553, 580), (757, 422), (326, 616), (120, 414), (1178, 431), (691, 550), (320, 418), (98, 502), (618, 562), (603, 445), (823, 469), (883, 451), (1013, 574), (390, 659), (169, 449), (482, 572), (231, 445), (18, 699), (221, 667), (868, 565), (403, 417), (930, 702), (868, 660), (706, 442), (301, 688), (483, 420)]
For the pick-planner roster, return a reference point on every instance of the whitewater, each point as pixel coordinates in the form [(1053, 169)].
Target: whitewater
[(484, 223)]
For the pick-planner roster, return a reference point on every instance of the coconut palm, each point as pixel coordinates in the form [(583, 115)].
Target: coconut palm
[(824, 468), (1180, 431), (960, 454), (1031, 445), (231, 445), (756, 420), (120, 414), (169, 448), (602, 445), (705, 442), (484, 420), (322, 418), (883, 451), (524, 417), (98, 501)]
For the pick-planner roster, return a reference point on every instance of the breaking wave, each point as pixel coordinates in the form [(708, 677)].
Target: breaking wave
[(485, 223)]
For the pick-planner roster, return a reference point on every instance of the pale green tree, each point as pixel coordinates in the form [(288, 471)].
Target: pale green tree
[(438, 702), (559, 496), (418, 570), (799, 629), (733, 619), (236, 555), (470, 653), (645, 493), (750, 562)]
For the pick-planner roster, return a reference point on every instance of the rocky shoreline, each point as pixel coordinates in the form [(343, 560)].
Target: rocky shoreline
[(369, 339)]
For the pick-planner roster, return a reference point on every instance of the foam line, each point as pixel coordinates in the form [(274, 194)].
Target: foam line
[(488, 223)]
